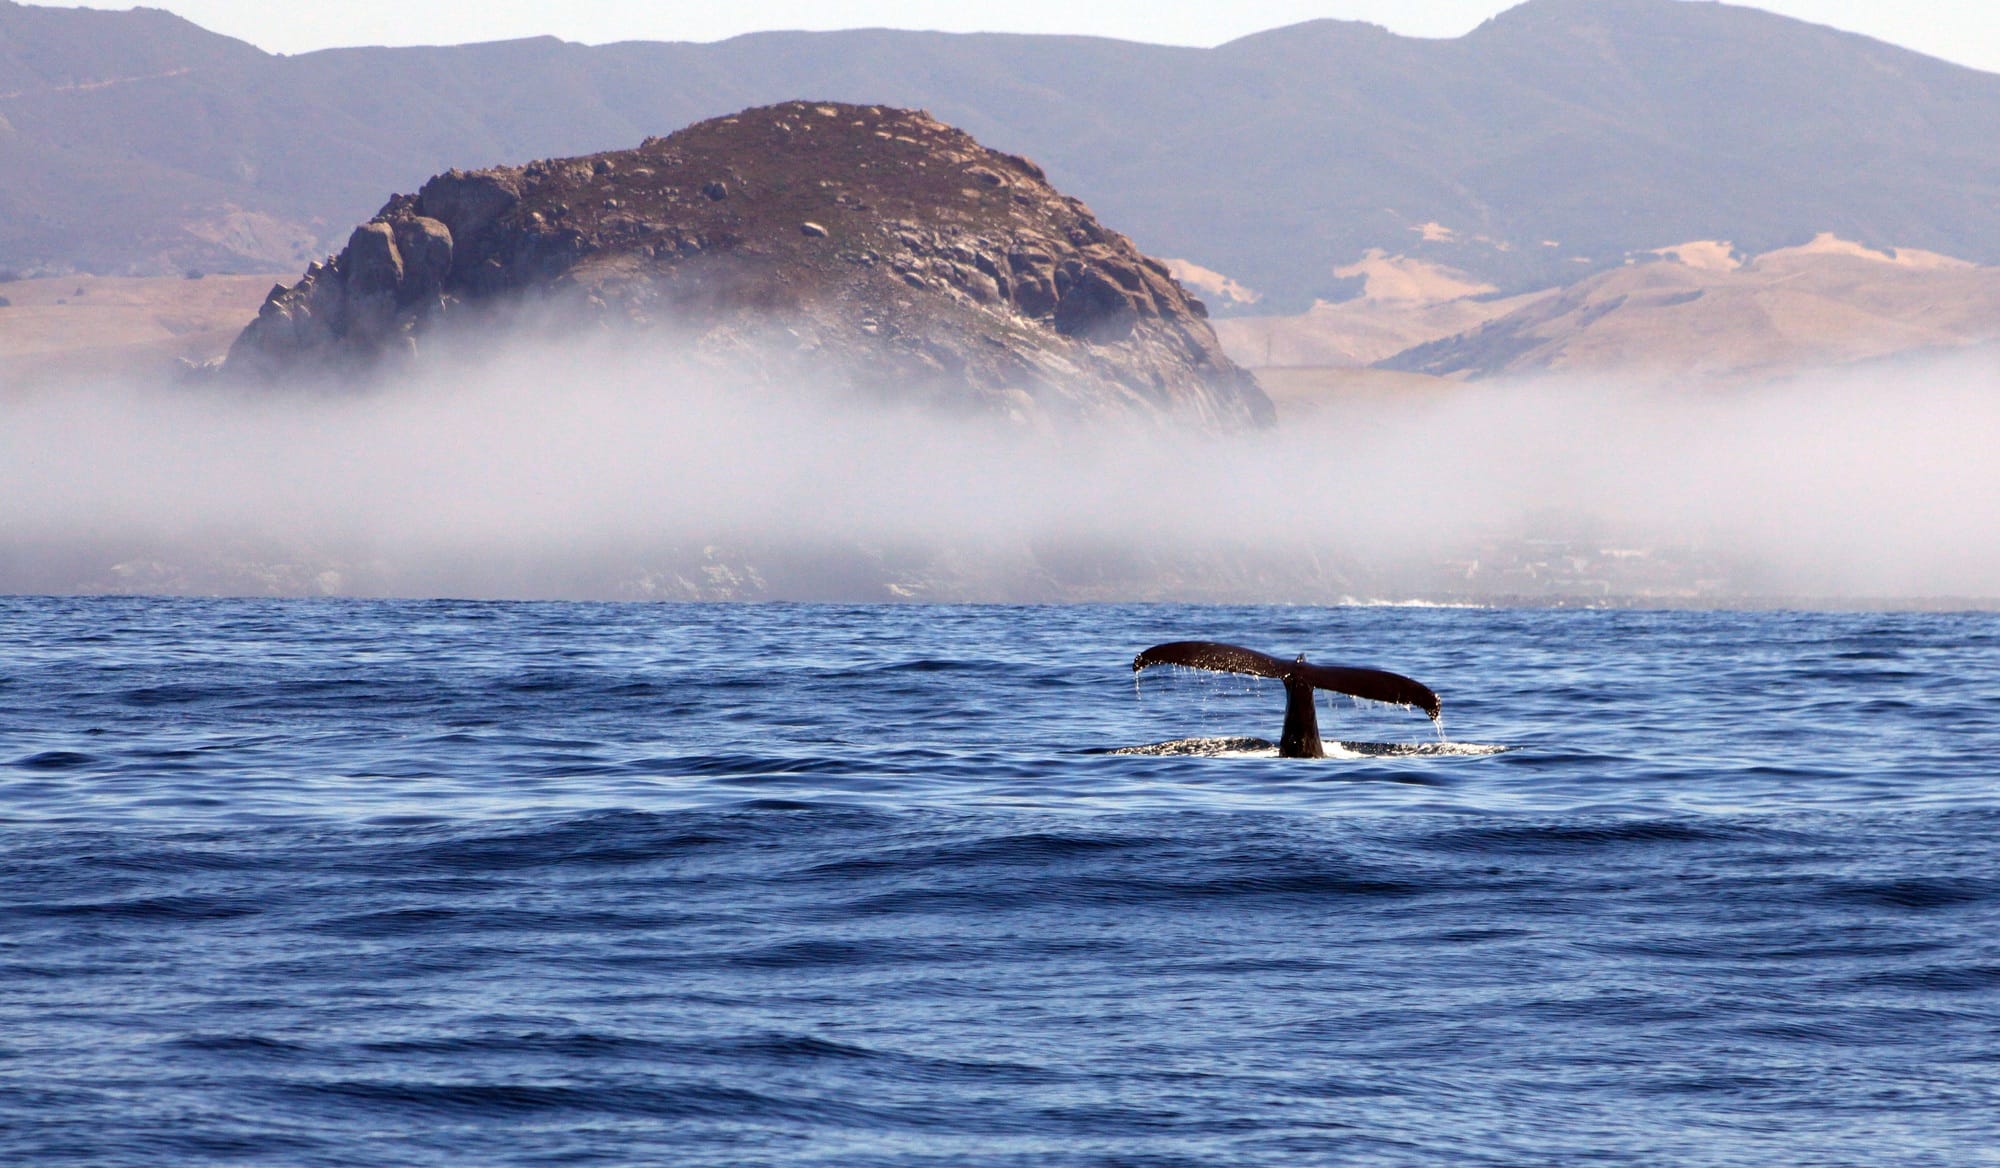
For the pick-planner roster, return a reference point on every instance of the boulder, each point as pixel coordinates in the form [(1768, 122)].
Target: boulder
[(468, 203), (425, 246), (371, 263)]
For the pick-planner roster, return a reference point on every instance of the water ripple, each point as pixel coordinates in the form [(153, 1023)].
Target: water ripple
[(443, 882)]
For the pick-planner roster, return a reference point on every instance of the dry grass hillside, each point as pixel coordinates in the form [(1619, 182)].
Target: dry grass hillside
[(100, 326), (1828, 303), (1699, 311), (1404, 302)]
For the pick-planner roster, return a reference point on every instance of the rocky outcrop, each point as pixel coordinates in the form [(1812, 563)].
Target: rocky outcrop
[(873, 247)]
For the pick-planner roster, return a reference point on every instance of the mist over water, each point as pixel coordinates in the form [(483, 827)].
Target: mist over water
[(604, 470)]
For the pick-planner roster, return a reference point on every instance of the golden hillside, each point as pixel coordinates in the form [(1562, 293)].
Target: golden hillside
[(104, 326), (1698, 312)]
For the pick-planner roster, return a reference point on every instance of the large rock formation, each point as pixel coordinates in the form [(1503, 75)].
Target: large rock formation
[(872, 247)]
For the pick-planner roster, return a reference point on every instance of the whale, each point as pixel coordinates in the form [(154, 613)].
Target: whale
[(1300, 738)]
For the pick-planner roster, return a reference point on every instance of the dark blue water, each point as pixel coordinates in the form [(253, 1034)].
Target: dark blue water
[(318, 883)]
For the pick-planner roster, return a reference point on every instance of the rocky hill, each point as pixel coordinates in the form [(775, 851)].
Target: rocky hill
[(1551, 143), (870, 246)]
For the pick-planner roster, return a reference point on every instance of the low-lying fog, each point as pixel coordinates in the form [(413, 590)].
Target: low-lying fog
[(605, 473)]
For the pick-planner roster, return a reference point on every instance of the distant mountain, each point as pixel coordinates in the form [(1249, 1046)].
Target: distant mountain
[(1550, 143)]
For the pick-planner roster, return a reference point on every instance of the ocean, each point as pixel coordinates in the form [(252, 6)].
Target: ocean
[(429, 883)]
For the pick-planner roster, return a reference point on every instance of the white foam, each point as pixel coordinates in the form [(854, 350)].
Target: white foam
[(1259, 748)]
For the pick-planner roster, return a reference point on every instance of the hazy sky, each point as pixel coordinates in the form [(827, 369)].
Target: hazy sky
[(1967, 31)]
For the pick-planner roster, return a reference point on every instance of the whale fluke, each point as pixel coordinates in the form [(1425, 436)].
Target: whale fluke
[(1301, 734)]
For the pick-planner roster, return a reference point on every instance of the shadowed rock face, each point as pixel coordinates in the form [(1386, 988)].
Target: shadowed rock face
[(857, 245)]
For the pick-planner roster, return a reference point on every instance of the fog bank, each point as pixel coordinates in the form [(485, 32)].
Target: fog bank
[(600, 471)]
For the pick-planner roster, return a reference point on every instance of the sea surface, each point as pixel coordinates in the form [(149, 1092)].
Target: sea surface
[(427, 883)]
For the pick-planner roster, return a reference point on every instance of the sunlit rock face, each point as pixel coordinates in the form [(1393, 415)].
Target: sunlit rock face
[(855, 246)]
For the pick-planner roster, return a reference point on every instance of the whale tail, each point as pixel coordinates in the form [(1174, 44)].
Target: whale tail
[(1301, 734)]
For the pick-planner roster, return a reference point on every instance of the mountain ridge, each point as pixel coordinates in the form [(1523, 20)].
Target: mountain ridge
[(1605, 129)]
